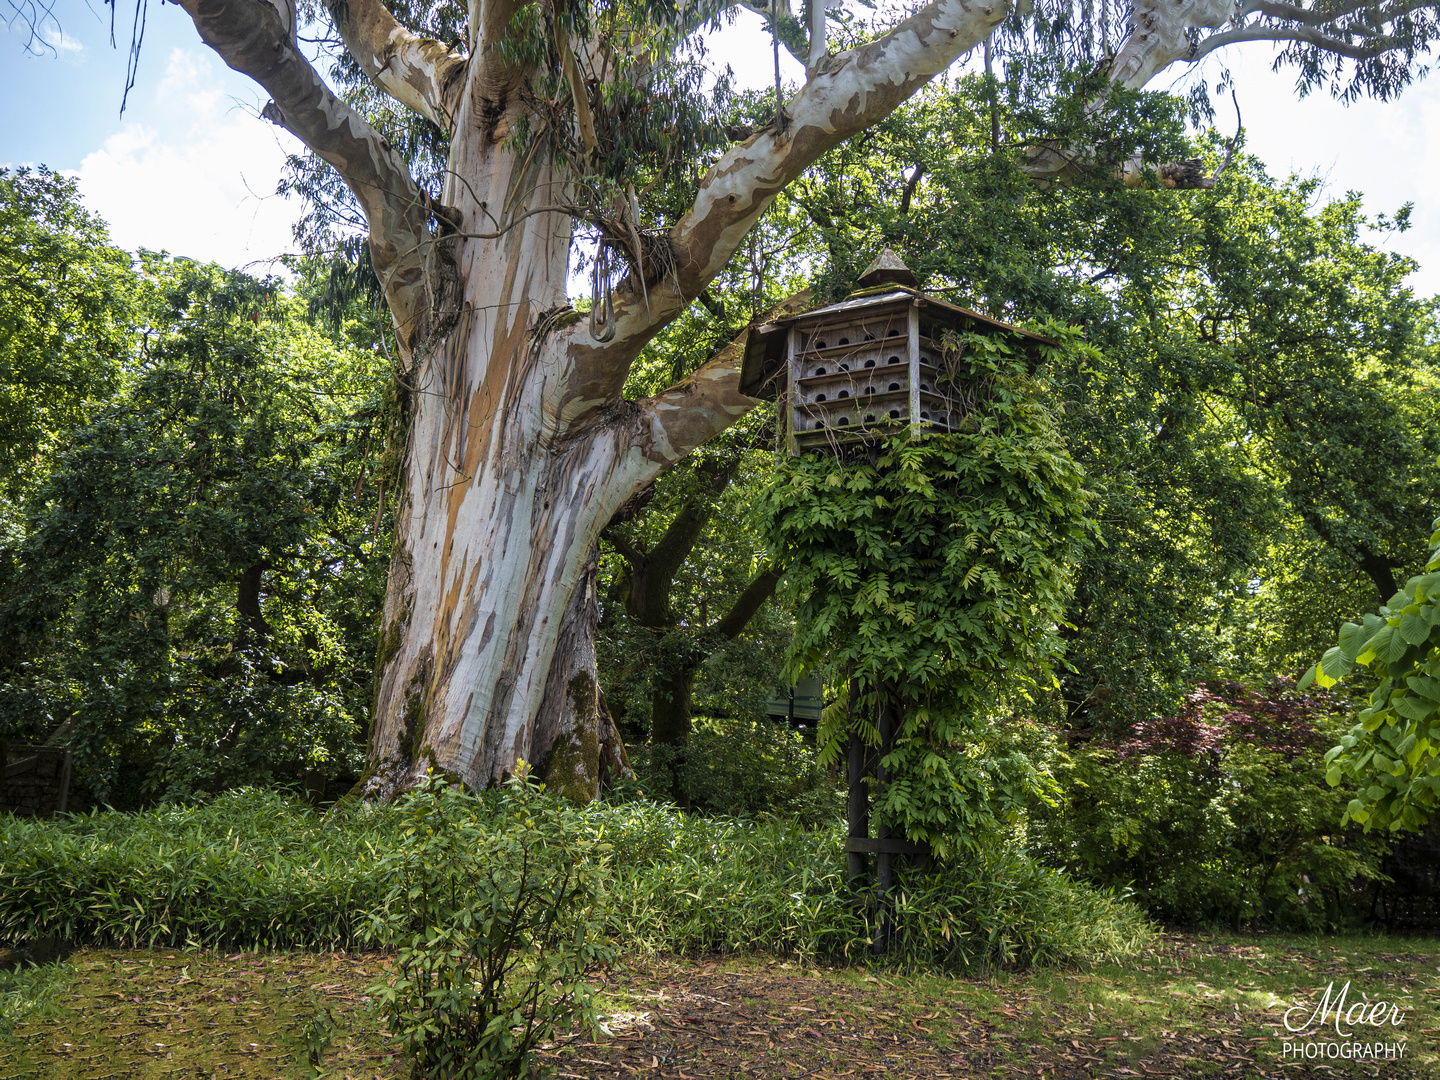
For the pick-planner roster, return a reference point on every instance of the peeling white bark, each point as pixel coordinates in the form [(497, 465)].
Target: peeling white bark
[(418, 72), (1160, 35)]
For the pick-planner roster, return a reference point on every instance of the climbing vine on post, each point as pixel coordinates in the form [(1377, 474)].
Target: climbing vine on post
[(935, 570), (1392, 755)]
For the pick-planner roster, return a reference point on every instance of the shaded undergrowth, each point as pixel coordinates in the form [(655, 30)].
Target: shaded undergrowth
[(252, 869)]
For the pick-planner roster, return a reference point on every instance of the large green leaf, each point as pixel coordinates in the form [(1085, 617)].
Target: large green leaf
[(1425, 686), (1352, 639), (1415, 708), (1379, 645), (1414, 628), (1334, 665)]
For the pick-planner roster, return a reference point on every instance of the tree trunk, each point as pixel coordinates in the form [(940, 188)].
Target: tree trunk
[(670, 715), (488, 655)]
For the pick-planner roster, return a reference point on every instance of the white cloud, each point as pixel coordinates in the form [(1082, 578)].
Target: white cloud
[(193, 173), (52, 36)]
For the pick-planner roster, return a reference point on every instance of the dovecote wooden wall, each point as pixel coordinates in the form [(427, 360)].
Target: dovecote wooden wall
[(864, 367), (872, 364)]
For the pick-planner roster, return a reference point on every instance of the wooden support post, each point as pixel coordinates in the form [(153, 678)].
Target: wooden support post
[(64, 800), (885, 720), (792, 395), (882, 826), (913, 325), (858, 806)]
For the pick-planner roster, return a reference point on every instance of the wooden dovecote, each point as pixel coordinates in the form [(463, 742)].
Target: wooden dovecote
[(859, 369)]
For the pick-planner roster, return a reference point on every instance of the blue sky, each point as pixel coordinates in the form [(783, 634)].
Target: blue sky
[(190, 168)]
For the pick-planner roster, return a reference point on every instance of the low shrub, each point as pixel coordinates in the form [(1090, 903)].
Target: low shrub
[(497, 912), (29, 991), (252, 870), (743, 767), (1218, 814)]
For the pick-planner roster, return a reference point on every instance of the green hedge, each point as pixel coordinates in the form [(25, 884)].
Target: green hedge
[(251, 869)]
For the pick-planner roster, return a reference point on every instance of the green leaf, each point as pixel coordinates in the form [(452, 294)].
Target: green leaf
[(1415, 708), (1334, 665), (1388, 645), (1414, 629), (1424, 686), (1352, 639)]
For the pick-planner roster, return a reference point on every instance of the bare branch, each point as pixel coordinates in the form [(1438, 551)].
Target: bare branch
[(1305, 34), (1376, 14), (250, 37), (1294, 13), (420, 73)]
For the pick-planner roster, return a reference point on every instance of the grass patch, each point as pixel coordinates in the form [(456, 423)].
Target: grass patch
[(1189, 1006)]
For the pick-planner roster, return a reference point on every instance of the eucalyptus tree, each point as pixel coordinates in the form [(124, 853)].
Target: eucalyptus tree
[(562, 117)]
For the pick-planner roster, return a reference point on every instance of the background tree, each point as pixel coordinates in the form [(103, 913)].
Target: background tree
[(194, 590), (66, 302), (1254, 354)]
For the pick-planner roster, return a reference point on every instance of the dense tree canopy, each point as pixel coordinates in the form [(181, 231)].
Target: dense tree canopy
[(65, 323), (193, 592), (473, 146)]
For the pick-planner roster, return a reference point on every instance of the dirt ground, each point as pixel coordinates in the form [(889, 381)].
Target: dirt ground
[(1193, 1008)]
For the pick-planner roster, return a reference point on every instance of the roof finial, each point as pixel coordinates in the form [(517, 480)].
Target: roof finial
[(888, 269)]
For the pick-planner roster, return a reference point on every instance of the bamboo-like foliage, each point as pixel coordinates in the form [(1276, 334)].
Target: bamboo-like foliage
[(252, 870)]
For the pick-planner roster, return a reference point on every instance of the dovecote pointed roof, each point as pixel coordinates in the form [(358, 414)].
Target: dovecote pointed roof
[(888, 269)]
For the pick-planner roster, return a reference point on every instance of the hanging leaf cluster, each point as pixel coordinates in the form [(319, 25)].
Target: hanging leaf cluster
[(936, 571), (620, 95), (1392, 755)]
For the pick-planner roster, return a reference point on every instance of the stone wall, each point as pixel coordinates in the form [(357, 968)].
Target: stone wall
[(35, 780)]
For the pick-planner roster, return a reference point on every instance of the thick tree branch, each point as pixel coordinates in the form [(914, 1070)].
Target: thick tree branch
[(1160, 34), (669, 425), (749, 602), (250, 37), (910, 186), (856, 89), (628, 551), (859, 88), (420, 73), (672, 549)]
